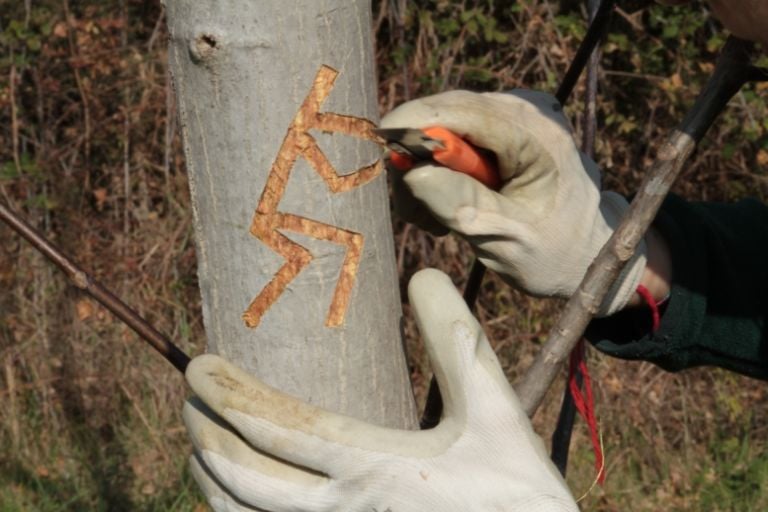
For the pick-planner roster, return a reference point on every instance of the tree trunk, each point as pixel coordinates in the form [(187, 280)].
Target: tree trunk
[(294, 245)]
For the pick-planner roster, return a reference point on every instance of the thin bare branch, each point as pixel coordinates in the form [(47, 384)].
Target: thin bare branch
[(109, 300), (561, 437), (597, 29)]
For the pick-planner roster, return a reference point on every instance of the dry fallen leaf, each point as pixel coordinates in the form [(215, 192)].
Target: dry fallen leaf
[(60, 29), (100, 194), (148, 489), (84, 309), (677, 81), (762, 158)]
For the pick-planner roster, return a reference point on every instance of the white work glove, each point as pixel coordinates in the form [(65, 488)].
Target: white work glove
[(259, 449), (544, 227)]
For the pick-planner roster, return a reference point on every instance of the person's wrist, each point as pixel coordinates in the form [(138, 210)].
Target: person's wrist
[(657, 275)]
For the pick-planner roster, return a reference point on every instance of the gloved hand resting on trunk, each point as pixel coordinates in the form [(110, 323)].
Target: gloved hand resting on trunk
[(259, 449)]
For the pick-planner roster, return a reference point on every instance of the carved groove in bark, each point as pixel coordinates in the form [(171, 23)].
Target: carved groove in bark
[(267, 220)]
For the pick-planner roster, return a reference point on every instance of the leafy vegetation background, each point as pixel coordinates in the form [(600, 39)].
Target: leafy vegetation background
[(89, 152)]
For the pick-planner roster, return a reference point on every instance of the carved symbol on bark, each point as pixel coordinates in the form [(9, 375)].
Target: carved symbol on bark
[(268, 221)]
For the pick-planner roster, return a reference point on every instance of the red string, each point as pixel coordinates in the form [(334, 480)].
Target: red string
[(652, 305), (586, 404)]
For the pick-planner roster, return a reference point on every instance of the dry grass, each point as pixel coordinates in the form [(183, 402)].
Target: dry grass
[(89, 152)]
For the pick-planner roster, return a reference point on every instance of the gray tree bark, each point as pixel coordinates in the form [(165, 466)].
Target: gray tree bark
[(277, 99)]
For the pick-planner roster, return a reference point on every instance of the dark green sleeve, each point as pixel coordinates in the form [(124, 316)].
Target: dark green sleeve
[(719, 300)]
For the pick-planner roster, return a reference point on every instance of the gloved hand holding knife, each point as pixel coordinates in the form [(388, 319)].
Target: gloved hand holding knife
[(548, 219)]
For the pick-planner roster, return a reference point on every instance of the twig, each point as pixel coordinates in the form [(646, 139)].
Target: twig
[(80, 279), (733, 70), (590, 111), (639, 76), (561, 437), (399, 8), (594, 34), (170, 130), (14, 118), (126, 129), (74, 50), (11, 404), (156, 31)]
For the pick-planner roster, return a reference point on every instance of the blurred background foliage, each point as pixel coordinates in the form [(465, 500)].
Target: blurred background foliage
[(89, 152)]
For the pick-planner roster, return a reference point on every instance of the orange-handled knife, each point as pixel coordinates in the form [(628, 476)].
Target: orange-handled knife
[(410, 146)]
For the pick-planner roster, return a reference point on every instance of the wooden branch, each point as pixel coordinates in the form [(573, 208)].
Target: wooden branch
[(598, 25), (106, 298), (561, 437), (733, 70)]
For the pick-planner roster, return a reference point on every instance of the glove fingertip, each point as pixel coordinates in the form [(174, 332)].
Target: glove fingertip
[(443, 109), (427, 177), (425, 279), (443, 317), (441, 190), (202, 366), (439, 308), (220, 385)]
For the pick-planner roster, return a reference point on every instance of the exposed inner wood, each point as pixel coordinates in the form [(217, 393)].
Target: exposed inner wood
[(268, 221)]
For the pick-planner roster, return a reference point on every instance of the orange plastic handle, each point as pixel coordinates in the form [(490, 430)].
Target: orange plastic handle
[(400, 161), (461, 156)]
